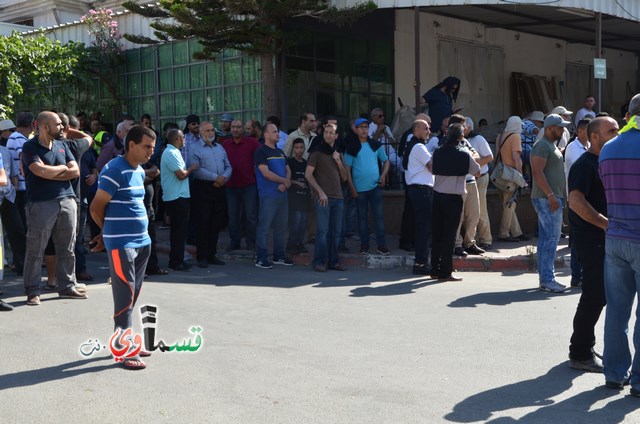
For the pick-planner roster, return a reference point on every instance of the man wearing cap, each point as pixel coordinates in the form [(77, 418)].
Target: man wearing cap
[(548, 198), (191, 135), (620, 172), (6, 128), (11, 219), (305, 132), (14, 144), (225, 126), (566, 135), (366, 181)]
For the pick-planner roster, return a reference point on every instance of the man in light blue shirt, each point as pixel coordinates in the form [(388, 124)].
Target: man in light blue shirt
[(366, 183), (209, 197), (175, 193)]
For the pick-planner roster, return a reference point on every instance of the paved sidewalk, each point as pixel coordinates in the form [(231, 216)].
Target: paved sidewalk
[(503, 256)]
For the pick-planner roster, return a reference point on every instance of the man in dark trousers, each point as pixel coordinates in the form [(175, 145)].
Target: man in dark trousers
[(450, 164), (209, 200), (49, 168), (325, 172), (588, 219), (118, 209), (420, 192)]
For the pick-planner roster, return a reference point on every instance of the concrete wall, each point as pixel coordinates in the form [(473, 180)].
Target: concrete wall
[(525, 53)]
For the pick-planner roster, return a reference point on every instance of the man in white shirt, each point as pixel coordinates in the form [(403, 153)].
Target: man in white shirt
[(481, 145), (305, 132), (379, 131), (589, 103), (574, 150), (420, 190)]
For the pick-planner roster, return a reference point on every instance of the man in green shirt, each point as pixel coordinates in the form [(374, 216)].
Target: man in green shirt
[(548, 198)]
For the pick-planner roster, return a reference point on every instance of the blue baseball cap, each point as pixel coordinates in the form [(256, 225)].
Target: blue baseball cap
[(226, 117), (361, 121)]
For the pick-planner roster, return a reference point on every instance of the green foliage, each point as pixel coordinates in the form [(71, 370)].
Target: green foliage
[(104, 55), (253, 27), (35, 62)]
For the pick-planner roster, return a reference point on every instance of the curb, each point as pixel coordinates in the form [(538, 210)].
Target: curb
[(374, 261)]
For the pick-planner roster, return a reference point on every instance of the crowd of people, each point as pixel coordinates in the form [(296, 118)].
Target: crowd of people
[(59, 172)]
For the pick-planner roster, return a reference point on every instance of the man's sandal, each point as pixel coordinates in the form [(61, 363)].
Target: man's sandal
[(133, 364)]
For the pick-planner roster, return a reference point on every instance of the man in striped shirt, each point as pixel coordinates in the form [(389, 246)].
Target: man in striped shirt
[(620, 173), (24, 128), (118, 208)]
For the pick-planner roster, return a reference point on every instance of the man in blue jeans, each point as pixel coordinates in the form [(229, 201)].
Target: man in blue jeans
[(324, 174), (366, 181), (273, 178), (548, 198), (620, 173)]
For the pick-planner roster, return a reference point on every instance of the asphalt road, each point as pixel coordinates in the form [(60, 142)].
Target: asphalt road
[(290, 345)]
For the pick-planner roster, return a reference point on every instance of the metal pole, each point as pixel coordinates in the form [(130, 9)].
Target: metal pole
[(416, 32), (599, 55)]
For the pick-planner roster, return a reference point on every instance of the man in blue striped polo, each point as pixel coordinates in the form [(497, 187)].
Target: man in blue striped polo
[(118, 208)]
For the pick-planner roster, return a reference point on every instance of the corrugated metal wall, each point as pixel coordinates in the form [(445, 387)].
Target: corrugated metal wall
[(626, 9), (127, 23)]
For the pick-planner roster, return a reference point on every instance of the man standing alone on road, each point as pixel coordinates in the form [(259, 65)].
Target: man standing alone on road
[(118, 209)]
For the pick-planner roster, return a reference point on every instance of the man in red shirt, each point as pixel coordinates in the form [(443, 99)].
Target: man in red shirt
[(241, 187)]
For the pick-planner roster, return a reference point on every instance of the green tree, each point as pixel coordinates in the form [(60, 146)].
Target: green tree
[(34, 63), (251, 26), (104, 54)]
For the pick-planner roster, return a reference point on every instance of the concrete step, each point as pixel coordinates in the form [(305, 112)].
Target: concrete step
[(502, 257)]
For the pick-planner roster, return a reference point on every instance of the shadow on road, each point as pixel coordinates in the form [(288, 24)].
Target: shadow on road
[(505, 298), (407, 286), (57, 372), (538, 393)]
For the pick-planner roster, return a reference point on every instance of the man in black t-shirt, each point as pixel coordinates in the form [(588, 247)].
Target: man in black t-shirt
[(49, 168), (588, 219)]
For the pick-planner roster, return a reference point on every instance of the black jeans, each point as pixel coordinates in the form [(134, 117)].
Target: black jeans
[(210, 212), (421, 201), (178, 211), (16, 233), (447, 209), (408, 224), (590, 250)]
